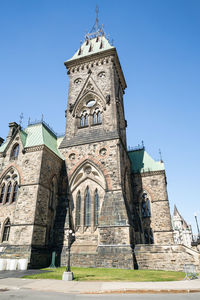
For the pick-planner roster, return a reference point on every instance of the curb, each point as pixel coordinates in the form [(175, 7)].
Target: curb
[(163, 291)]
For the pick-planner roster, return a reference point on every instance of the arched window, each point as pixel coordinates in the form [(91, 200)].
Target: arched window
[(143, 209), (6, 231), (53, 191), (82, 122), (99, 117), (148, 209), (78, 209), (14, 152), (87, 208), (95, 118), (2, 192), (146, 237), (15, 190), (145, 206), (51, 195), (151, 239), (96, 208), (86, 120), (8, 194)]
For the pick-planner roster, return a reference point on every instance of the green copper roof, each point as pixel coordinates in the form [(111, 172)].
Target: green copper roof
[(23, 136), (39, 134), (95, 45), (3, 146), (141, 162)]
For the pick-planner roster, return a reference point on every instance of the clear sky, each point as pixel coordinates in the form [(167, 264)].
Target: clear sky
[(158, 43)]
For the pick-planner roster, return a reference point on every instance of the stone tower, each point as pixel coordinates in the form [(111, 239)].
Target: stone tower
[(94, 148)]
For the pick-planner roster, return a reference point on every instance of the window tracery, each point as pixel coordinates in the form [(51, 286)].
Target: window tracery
[(9, 187), (78, 209)]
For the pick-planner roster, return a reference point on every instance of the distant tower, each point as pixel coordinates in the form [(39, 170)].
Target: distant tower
[(94, 147)]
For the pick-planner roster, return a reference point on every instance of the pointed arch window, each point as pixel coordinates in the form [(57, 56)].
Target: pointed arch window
[(6, 231), (145, 206), (87, 208), (96, 208), (14, 152), (95, 118), (84, 120), (8, 194), (3, 187), (15, 191), (146, 236), (151, 239), (99, 117), (78, 209)]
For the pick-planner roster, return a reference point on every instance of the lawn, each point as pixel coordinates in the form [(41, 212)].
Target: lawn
[(92, 274)]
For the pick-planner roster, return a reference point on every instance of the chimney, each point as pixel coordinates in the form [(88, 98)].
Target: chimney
[(13, 127)]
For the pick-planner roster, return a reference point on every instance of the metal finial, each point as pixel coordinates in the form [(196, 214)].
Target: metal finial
[(143, 144), (42, 119), (97, 20), (29, 121), (21, 118), (160, 155)]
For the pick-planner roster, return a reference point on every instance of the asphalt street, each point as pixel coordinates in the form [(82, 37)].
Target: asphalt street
[(32, 295)]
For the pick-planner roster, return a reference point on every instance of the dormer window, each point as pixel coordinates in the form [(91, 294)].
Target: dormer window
[(14, 152)]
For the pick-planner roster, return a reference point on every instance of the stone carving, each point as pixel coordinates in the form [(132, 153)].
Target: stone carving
[(72, 156), (107, 99), (103, 151), (71, 107)]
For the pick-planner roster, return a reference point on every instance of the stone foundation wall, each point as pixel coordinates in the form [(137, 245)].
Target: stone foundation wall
[(105, 257), (166, 257)]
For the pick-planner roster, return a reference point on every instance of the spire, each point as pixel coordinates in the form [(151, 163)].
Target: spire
[(97, 29)]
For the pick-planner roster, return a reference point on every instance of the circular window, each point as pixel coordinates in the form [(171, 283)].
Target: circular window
[(90, 103), (78, 81)]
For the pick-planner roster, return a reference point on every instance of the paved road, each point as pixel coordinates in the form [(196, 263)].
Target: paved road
[(18, 274), (32, 295)]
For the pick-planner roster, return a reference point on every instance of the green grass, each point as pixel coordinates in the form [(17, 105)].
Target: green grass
[(92, 274)]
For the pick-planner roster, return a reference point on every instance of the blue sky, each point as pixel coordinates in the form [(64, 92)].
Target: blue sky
[(158, 43)]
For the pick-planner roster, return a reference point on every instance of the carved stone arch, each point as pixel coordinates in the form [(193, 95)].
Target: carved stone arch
[(82, 103), (87, 170), (12, 170)]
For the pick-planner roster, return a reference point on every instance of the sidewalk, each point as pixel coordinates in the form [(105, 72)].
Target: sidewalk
[(80, 287)]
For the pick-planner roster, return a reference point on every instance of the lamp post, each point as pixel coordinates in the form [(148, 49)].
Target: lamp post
[(68, 275), (195, 215)]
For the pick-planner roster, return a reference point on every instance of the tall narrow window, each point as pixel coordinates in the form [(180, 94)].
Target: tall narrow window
[(82, 121), (2, 193), (8, 192), (87, 208), (14, 152), (94, 118), (15, 190), (151, 239), (99, 117), (144, 209), (146, 237), (51, 198), (96, 208), (78, 209), (6, 231), (148, 209), (86, 120)]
